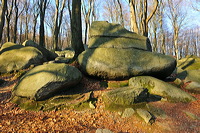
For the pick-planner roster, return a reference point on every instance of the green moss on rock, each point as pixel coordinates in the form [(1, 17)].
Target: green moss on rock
[(59, 102), (161, 88)]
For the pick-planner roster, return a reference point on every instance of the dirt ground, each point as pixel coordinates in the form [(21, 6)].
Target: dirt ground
[(179, 118)]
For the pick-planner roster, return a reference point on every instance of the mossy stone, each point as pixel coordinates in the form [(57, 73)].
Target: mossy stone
[(46, 53), (43, 81), (161, 88), (110, 35), (59, 102), (112, 63), (125, 96), (9, 46), (20, 58), (189, 63)]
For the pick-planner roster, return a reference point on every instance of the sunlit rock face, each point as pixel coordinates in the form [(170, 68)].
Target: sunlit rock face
[(116, 53)]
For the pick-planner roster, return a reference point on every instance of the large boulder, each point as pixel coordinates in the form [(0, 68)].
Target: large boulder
[(113, 63), (116, 53), (45, 80), (109, 35), (161, 88), (47, 54), (15, 57)]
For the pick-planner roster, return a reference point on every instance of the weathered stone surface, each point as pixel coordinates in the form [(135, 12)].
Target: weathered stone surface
[(15, 57), (58, 102), (44, 80), (161, 88), (128, 112), (146, 115), (66, 53), (112, 63), (62, 60), (47, 54), (125, 96), (189, 63), (109, 35), (9, 46), (191, 79)]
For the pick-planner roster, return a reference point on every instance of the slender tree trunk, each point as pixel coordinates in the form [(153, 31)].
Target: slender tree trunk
[(8, 30), (57, 22), (76, 28), (2, 17), (134, 25), (176, 43), (139, 21), (34, 30), (16, 20), (121, 13), (20, 33), (43, 5)]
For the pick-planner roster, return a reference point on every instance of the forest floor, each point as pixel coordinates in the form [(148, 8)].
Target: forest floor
[(180, 117)]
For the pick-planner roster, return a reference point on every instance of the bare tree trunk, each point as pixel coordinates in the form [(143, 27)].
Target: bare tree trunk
[(134, 24), (8, 18), (20, 31), (43, 6), (121, 13), (87, 12), (57, 22), (2, 21), (35, 17), (26, 20), (17, 14), (140, 24), (76, 28), (175, 37)]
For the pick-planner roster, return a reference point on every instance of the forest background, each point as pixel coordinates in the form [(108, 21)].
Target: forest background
[(173, 26)]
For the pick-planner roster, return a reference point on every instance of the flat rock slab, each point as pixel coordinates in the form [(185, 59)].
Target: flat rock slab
[(43, 81), (113, 63)]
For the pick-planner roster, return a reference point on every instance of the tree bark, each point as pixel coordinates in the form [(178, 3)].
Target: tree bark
[(43, 6), (57, 22), (134, 24), (76, 28), (2, 21), (140, 24), (8, 18), (121, 13)]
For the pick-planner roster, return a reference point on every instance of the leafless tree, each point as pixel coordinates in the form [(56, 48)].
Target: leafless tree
[(9, 13), (18, 12), (139, 15), (2, 17), (88, 14), (58, 16), (43, 6), (177, 18), (76, 28)]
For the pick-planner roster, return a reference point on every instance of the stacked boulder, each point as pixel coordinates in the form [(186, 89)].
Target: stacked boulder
[(116, 53)]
